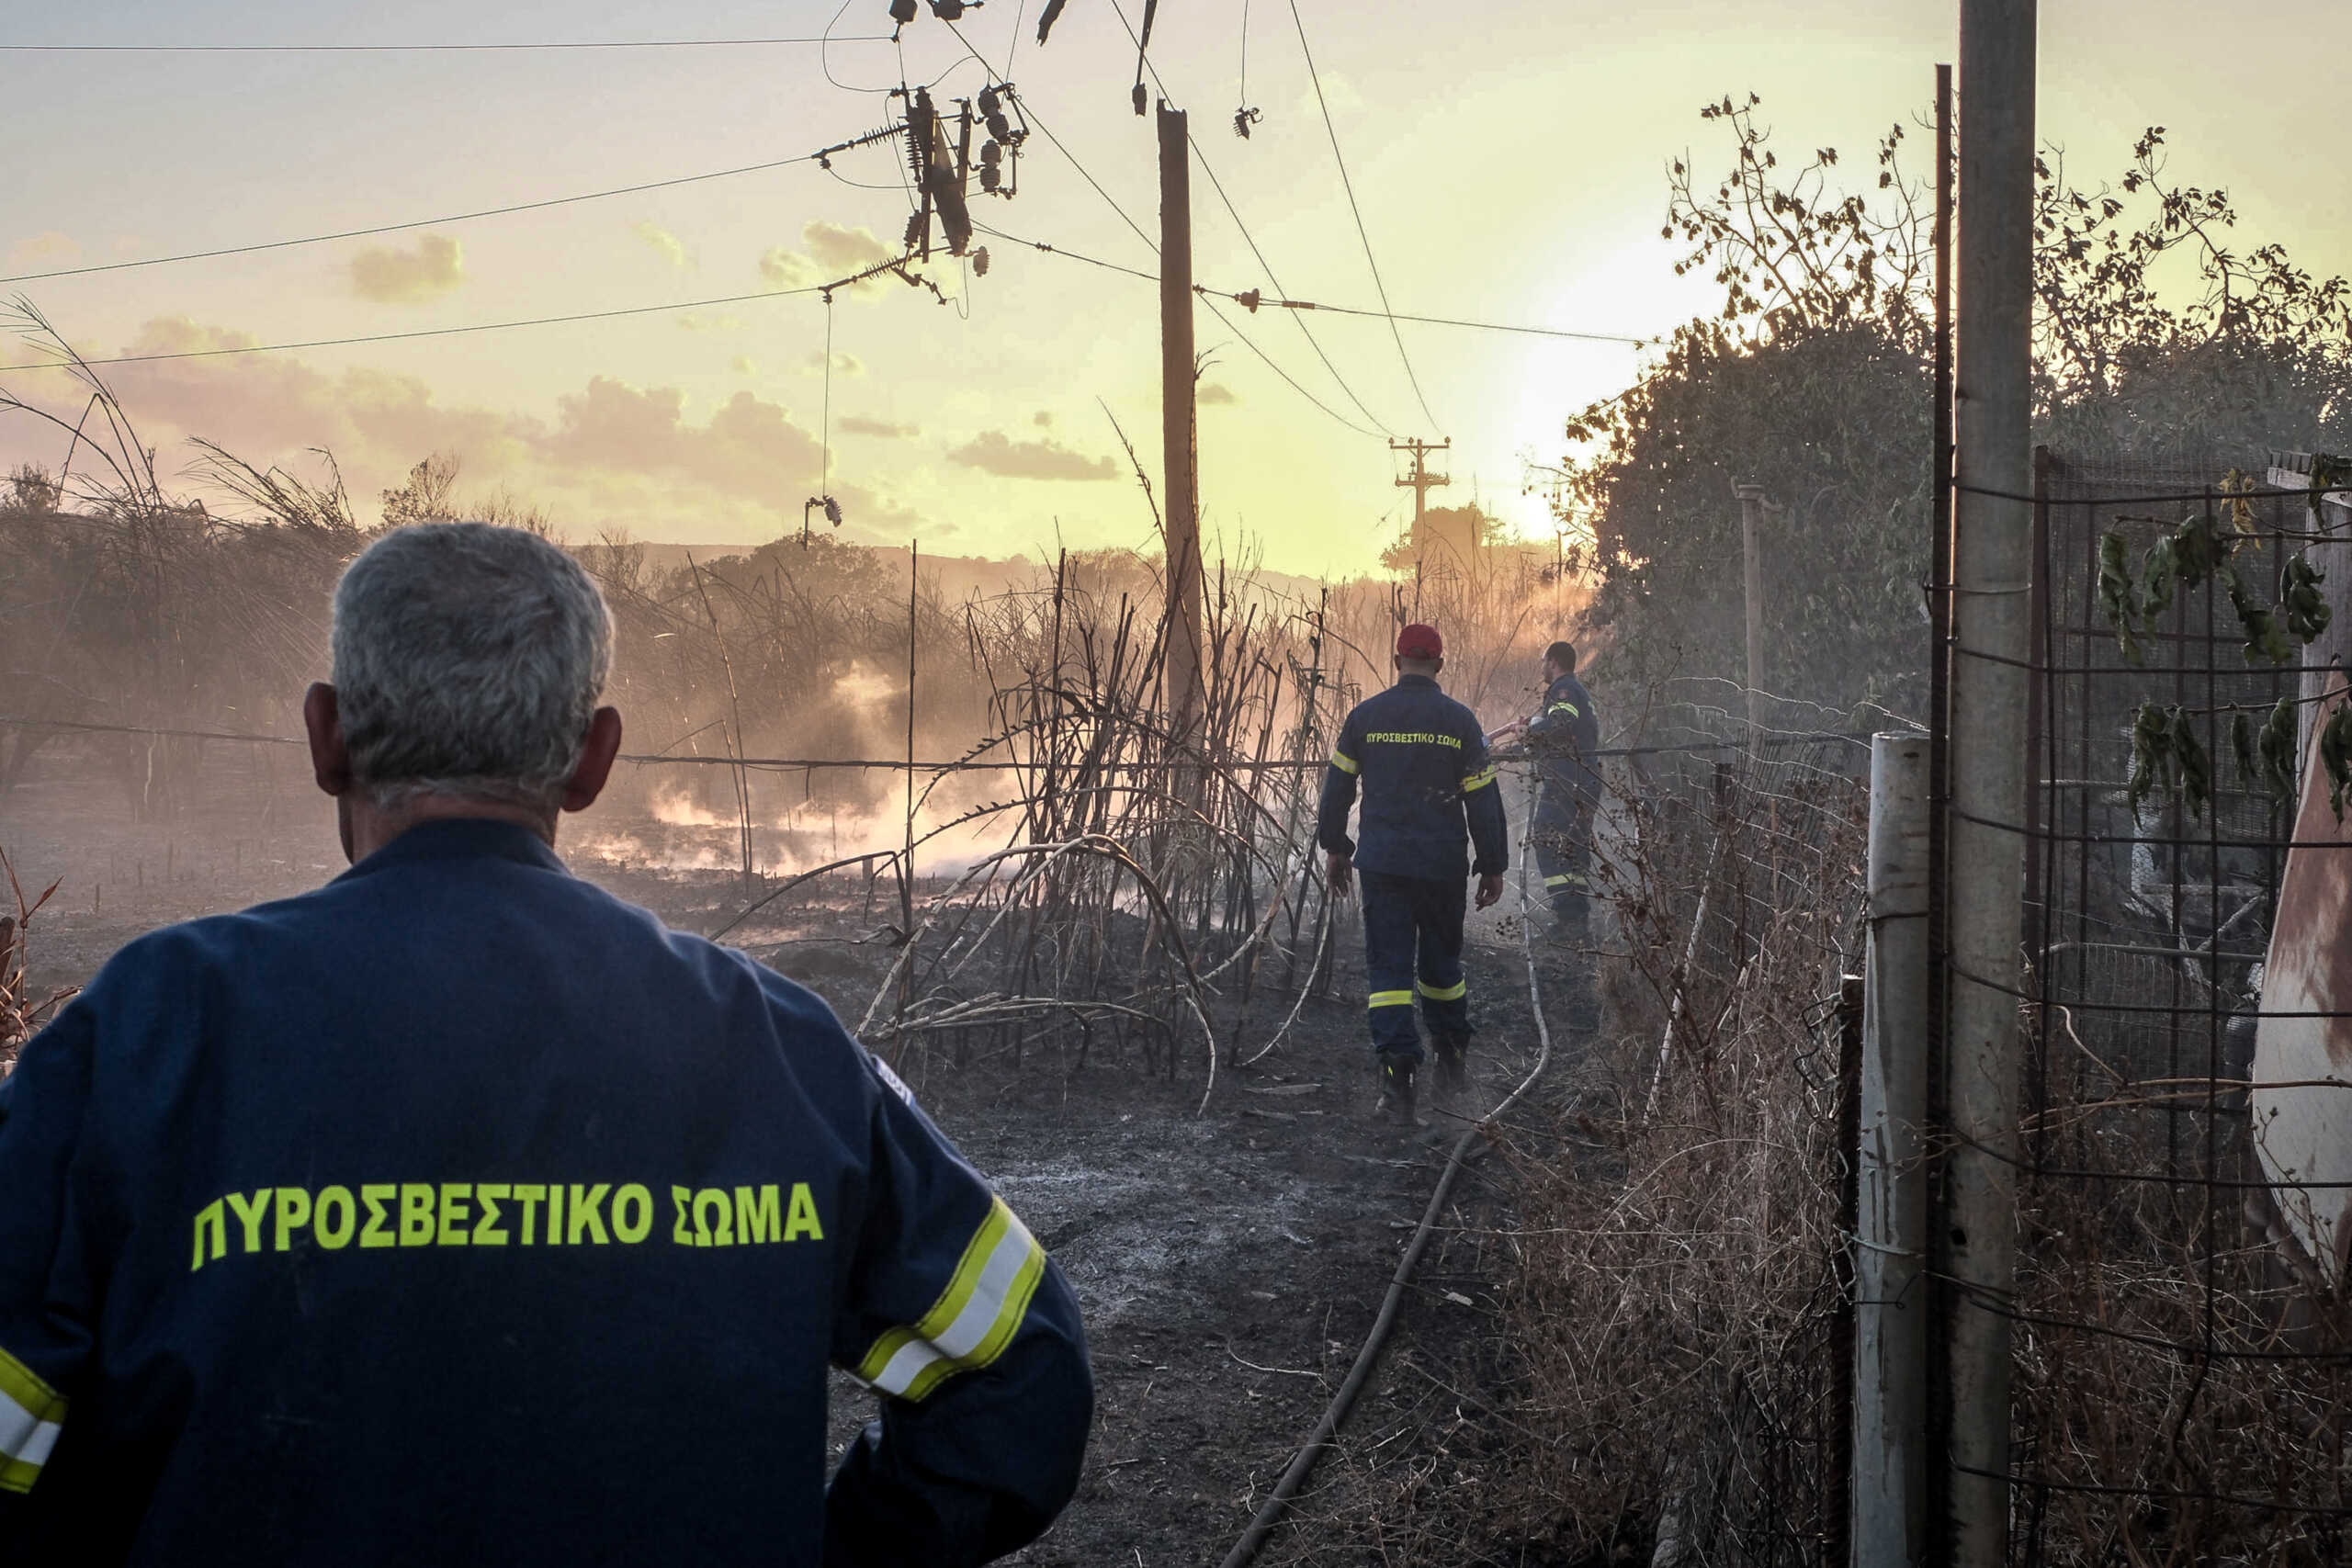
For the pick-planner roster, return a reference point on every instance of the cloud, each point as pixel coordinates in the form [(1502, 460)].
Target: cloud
[(828, 251), (744, 365), (42, 251), (1215, 392), (610, 453), (844, 363), (698, 324), (405, 277), (993, 452), (1043, 419), (672, 249), (858, 424)]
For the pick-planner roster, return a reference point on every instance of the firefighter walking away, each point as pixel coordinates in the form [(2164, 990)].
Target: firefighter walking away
[(1420, 761), (1563, 737)]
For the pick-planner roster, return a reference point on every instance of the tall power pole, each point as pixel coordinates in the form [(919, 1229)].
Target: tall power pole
[(1993, 569), (1177, 431), (1420, 481)]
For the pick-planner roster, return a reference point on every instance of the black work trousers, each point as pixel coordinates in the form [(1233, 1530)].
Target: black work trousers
[(1412, 947), (1560, 832)]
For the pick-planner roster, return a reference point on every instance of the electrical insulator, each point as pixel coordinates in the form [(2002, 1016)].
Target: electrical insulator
[(988, 100), (914, 230), (1141, 97), (991, 153), (980, 262), (1000, 126), (990, 177), (947, 10), (902, 11), (832, 512)]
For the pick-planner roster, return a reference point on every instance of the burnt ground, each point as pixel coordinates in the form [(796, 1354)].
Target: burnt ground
[(1228, 1263)]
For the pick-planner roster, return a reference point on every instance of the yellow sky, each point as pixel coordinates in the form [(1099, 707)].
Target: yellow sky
[(1508, 156)]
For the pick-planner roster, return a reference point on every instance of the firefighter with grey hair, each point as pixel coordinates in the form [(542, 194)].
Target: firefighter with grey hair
[(457, 1212)]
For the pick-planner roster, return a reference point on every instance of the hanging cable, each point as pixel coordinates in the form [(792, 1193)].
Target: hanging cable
[(1348, 185), (1244, 117), (1251, 240), (823, 499), (420, 222), (428, 48), (430, 332), (1248, 343)]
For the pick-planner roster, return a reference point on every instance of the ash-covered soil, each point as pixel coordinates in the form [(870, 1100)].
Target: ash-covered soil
[(1229, 1262)]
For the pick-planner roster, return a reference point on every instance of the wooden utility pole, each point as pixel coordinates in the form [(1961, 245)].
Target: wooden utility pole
[(1420, 481), (1751, 525), (1179, 443), (1992, 570)]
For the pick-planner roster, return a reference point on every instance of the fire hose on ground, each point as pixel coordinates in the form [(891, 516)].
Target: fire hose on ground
[(1269, 1512)]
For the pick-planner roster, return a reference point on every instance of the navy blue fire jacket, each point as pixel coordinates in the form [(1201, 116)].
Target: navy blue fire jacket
[(1563, 737), (1422, 759), (459, 1213)]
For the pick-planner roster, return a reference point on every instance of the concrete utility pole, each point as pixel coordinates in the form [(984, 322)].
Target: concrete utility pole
[(1890, 1498), (1751, 526), (1420, 481), (1178, 444), (1992, 580)]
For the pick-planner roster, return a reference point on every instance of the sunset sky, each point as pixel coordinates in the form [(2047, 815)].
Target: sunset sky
[(1508, 157)]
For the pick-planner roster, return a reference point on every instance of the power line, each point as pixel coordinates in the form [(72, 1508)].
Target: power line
[(1250, 300), (1347, 185), (1253, 300), (1251, 240), (419, 223), (427, 48), (425, 332), (1074, 255), (1251, 343)]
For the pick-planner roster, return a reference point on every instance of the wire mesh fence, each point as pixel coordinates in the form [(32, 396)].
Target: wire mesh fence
[(2183, 1379)]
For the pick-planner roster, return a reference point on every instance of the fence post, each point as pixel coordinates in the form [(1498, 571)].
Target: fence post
[(1751, 548), (1890, 1415)]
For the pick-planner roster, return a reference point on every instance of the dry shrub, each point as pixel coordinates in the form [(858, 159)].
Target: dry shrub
[(1680, 1288), (2182, 1396), (21, 1012)]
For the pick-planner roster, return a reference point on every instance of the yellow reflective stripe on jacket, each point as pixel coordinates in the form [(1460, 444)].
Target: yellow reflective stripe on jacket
[(1569, 879), (1453, 993), (31, 1413), (1392, 998), (1569, 708), (1342, 762), (1479, 780), (974, 1318)]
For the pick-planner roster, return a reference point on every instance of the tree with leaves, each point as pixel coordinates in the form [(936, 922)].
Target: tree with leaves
[(2155, 336)]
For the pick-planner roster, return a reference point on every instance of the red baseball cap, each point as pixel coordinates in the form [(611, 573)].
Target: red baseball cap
[(1420, 641)]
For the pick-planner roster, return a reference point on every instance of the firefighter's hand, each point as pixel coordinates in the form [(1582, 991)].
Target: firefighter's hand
[(1338, 872), (1490, 889)]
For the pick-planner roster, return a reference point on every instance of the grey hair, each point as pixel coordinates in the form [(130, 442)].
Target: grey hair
[(468, 661)]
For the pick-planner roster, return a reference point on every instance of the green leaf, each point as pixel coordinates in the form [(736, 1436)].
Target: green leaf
[(2151, 756), (2118, 598), (2196, 768), (2302, 609), (2276, 748), (2335, 756)]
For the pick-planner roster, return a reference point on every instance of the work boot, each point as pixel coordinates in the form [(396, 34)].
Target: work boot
[(1397, 1090), (1453, 1072)]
